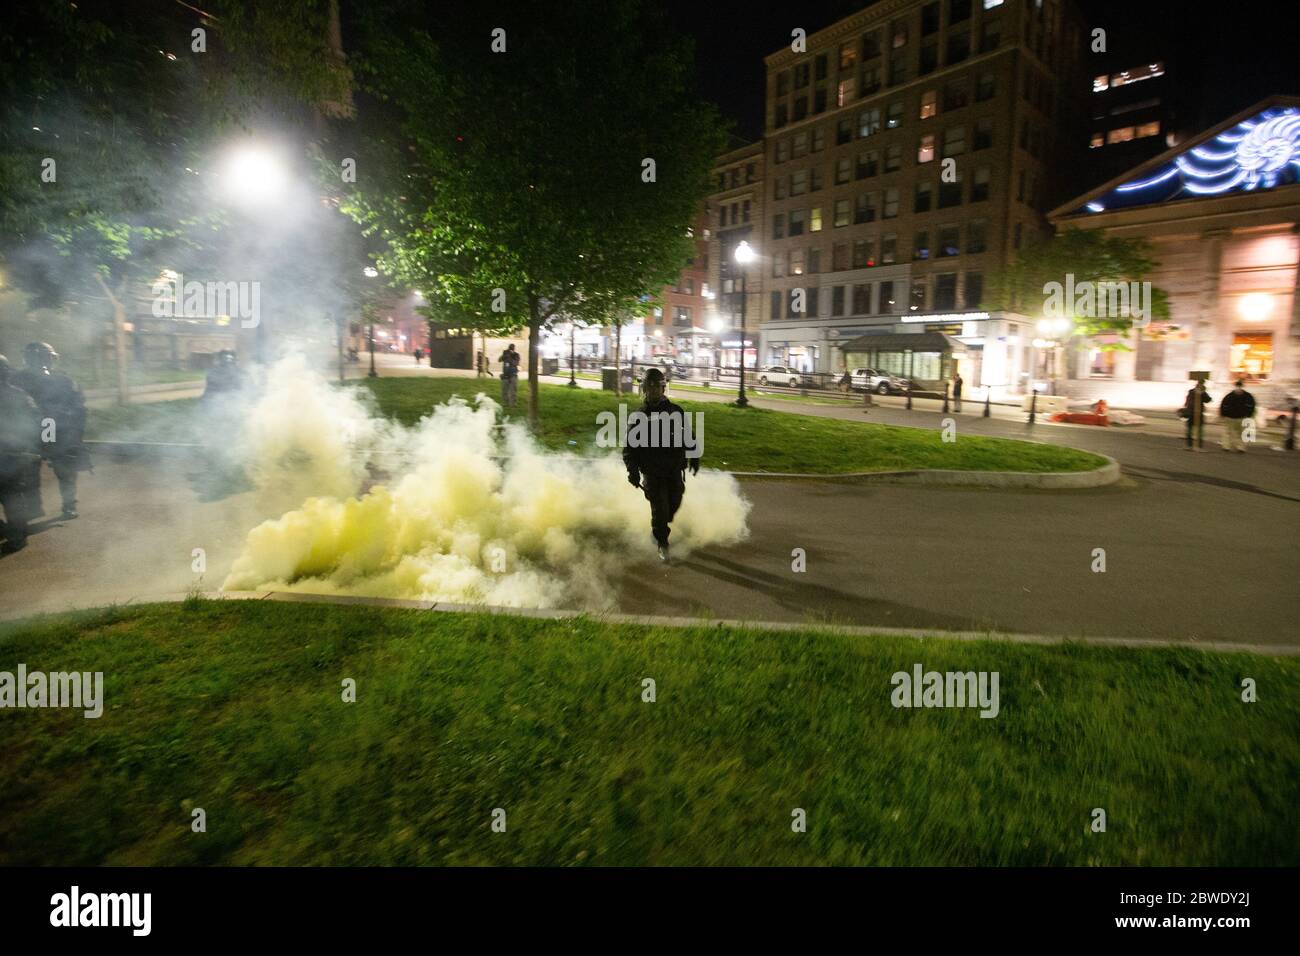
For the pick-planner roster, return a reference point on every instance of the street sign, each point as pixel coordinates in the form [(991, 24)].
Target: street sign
[(1198, 376)]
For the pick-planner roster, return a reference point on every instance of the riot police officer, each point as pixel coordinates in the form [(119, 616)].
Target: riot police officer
[(20, 450), (63, 423), (659, 468)]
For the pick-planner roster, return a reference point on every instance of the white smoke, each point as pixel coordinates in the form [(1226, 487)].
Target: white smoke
[(463, 510)]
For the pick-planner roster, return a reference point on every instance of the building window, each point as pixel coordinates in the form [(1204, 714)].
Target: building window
[(819, 100), (778, 226), (925, 152), (870, 80), (990, 4), (929, 104), (888, 248), (844, 92), (801, 75), (923, 193), (986, 87), (869, 122), (818, 139), (865, 210), (799, 182), (887, 301), (954, 141), (745, 211), (862, 298), (983, 134), (782, 115), (815, 219), (776, 305), (893, 158), (921, 250), (778, 188), (841, 212), (866, 165), (949, 241), (1135, 75), (977, 234), (814, 261), (783, 83), (894, 116), (800, 144), (929, 61), (891, 204), (843, 132), (930, 19), (778, 265), (1149, 129), (979, 189), (955, 96), (974, 290), (990, 36), (782, 150), (917, 298), (843, 170), (800, 108), (848, 56), (839, 256), (1100, 83), (816, 184), (796, 222), (683, 315), (958, 47), (837, 300), (1121, 134), (897, 70), (749, 173), (819, 67), (949, 194), (796, 261), (899, 30), (958, 10), (871, 45), (861, 254), (945, 291)]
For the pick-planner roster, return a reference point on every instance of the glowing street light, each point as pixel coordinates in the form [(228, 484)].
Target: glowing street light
[(744, 255), (254, 175)]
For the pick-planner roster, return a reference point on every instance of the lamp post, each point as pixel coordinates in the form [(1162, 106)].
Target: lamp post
[(371, 272), (573, 354), (744, 256)]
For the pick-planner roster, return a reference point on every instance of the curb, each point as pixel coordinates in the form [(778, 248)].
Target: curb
[(1108, 474), (650, 620)]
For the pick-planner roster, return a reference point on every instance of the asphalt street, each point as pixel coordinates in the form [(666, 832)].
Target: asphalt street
[(1197, 546)]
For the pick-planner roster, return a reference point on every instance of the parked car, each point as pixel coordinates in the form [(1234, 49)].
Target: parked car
[(782, 375), (875, 380)]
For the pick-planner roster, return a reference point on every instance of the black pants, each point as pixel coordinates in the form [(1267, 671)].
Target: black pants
[(665, 497), (65, 470), (16, 500)]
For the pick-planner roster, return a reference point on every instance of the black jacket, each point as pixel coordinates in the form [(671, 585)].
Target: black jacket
[(649, 456), (58, 397), (1236, 405), (20, 430)]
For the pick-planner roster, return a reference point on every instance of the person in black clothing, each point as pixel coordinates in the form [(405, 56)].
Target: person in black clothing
[(20, 452), (956, 392), (1237, 406), (663, 467), (60, 400), (1188, 411)]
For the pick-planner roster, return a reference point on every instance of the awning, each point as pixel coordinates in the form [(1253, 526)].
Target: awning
[(904, 341)]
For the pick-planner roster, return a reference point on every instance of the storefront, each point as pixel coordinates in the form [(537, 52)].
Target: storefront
[(1221, 214)]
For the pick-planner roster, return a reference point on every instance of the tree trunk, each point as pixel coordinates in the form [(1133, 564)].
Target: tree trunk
[(119, 339), (534, 346)]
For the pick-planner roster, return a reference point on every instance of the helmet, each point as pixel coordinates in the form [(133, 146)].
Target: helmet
[(226, 356), (39, 355)]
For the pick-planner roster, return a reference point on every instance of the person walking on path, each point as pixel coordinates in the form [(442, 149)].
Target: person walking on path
[(956, 392), (659, 469), (1237, 406)]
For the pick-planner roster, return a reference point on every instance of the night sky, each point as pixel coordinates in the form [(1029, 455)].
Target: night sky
[(1233, 54)]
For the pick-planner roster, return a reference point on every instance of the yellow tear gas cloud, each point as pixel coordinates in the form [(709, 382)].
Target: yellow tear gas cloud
[(467, 516)]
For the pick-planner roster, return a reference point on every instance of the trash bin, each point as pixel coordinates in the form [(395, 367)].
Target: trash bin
[(609, 378), (550, 366)]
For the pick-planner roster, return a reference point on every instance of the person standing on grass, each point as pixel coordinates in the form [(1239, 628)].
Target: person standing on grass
[(1237, 406), (956, 392), (663, 466), (509, 376)]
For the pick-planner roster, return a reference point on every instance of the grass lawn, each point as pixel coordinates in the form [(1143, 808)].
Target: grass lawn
[(235, 708), (753, 439)]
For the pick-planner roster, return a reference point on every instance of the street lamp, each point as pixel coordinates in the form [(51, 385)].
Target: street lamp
[(744, 256), (573, 354)]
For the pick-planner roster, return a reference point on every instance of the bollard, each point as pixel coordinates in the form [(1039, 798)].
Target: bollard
[(988, 400), (909, 394), (1033, 407), (1290, 427), (945, 398)]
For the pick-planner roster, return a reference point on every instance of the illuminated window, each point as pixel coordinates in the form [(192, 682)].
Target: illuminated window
[(1100, 83), (990, 4), (1121, 135), (815, 219), (929, 104), (1149, 129), (848, 56), (925, 153), (1137, 74), (844, 92), (1098, 139)]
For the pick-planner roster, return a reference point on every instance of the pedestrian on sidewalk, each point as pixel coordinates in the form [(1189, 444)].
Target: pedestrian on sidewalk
[(1237, 406), (956, 392), (509, 376), (1188, 411)]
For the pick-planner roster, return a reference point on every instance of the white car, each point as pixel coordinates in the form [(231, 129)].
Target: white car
[(781, 375)]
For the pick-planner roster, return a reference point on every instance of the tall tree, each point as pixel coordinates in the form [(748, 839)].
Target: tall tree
[(554, 157), (1089, 255)]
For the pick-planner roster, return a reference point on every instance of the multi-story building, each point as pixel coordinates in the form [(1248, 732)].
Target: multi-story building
[(736, 210), (911, 149), (1134, 112)]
